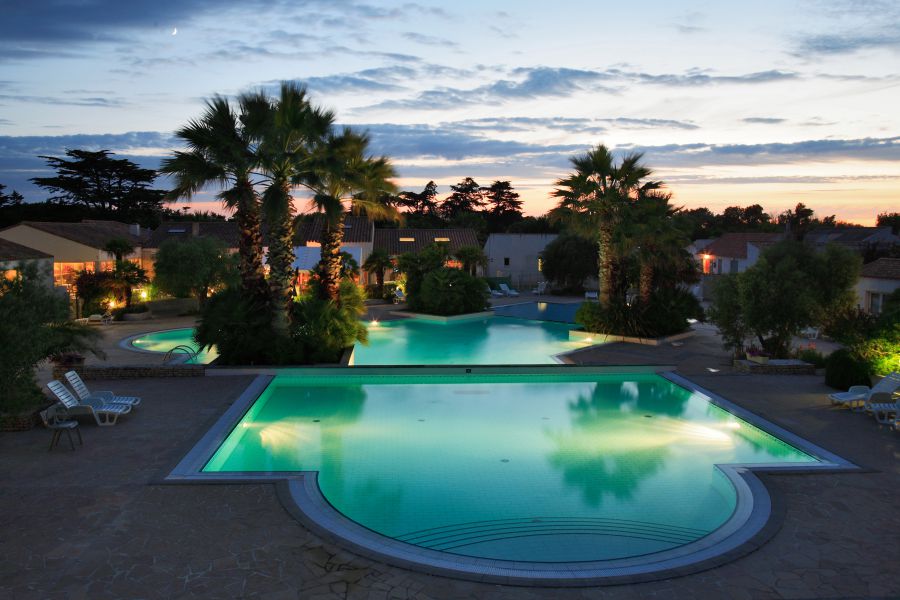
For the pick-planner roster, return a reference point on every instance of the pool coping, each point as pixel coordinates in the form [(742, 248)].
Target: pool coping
[(756, 518)]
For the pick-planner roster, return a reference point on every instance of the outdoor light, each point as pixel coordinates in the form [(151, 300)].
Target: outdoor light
[(143, 294)]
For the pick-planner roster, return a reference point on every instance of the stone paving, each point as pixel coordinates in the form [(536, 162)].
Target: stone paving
[(96, 523)]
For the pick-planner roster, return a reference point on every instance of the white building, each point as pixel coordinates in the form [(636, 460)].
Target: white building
[(877, 280), (517, 256)]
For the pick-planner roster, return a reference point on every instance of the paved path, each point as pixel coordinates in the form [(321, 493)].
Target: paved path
[(95, 524)]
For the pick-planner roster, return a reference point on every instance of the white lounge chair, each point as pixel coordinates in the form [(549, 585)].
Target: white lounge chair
[(885, 412), (399, 296), (859, 396), (83, 393), (591, 295), (540, 289), (58, 424), (104, 414), (507, 291)]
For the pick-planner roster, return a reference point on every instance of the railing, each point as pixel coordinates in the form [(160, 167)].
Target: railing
[(180, 349)]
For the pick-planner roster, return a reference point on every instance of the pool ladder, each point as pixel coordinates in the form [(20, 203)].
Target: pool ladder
[(180, 349)]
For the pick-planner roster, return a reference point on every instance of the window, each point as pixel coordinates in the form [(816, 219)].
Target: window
[(407, 239), (506, 261), (442, 239), (875, 302), (540, 265), (182, 230), (733, 268)]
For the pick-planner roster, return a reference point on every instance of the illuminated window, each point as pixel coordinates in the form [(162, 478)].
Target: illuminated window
[(10, 274), (407, 239), (442, 239), (540, 265)]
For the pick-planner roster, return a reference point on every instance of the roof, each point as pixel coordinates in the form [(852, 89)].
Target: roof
[(847, 235), (734, 245), (883, 268), (400, 241), (307, 257), (225, 231), (95, 234), (10, 251), (357, 229)]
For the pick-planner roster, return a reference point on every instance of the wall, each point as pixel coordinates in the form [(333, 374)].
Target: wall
[(867, 285), (522, 250)]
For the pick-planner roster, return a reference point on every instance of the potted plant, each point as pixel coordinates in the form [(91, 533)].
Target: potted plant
[(757, 355)]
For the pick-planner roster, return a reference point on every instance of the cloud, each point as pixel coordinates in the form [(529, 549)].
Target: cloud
[(429, 40), (698, 77), (336, 84), (763, 120), (847, 43), (65, 100)]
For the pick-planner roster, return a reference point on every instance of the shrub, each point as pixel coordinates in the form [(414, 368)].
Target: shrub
[(449, 291), (241, 330), (193, 267), (843, 369), (568, 261), (812, 356), (322, 329), (666, 314)]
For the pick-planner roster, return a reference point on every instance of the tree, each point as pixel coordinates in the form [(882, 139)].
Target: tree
[(503, 205), (422, 203), (661, 253), (727, 313), (193, 267), (568, 261), (377, 262), (790, 287), (598, 198), (467, 196), (34, 326), (798, 221), (119, 247), (221, 152), (890, 219), (96, 180), (471, 258), (344, 172), (290, 130), (12, 199)]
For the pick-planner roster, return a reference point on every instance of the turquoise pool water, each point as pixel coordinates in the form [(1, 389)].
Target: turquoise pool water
[(163, 341), (550, 468), (487, 341), (561, 312)]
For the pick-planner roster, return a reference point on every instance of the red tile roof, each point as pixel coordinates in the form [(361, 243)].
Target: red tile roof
[(734, 245), (883, 268)]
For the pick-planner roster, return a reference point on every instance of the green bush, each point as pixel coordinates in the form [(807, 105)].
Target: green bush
[(812, 356), (322, 329), (449, 291), (843, 369), (241, 330), (666, 314)]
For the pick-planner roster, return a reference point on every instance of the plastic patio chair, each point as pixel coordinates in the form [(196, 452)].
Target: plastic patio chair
[(107, 397), (55, 422), (104, 414)]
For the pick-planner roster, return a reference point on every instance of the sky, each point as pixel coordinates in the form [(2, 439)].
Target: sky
[(772, 102)]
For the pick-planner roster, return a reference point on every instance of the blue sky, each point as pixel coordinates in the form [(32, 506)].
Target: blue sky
[(732, 102)]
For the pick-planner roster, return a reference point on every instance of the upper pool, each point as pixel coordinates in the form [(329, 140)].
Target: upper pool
[(483, 341), (173, 340)]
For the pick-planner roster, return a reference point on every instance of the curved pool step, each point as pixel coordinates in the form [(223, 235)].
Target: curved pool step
[(459, 535)]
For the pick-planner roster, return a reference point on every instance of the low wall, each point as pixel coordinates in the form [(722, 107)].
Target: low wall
[(776, 367), (602, 338), (132, 371)]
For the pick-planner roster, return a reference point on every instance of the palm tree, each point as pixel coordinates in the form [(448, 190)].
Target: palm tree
[(603, 192), (471, 258), (290, 130), (344, 173), (221, 152), (377, 262), (660, 244)]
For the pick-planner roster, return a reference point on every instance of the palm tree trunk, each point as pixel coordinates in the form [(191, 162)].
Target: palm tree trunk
[(646, 281), (250, 245), (281, 261), (379, 280), (332, 237), (605, 275)]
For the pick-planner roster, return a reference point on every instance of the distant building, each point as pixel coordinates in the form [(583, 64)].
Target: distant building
[(403, 240), (877, 280), (855, 238), (734, 252), (14, 256), (76, 247), (226, 232), (517, 256)]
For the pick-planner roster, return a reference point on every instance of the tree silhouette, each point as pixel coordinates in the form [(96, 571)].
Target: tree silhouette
[(467, 196)]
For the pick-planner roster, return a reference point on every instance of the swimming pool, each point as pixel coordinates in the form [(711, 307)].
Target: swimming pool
[(164, 341), (482, 341), (561, 312), (549, 470)]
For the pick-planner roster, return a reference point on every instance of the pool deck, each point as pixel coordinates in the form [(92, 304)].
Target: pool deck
[(96, 523)]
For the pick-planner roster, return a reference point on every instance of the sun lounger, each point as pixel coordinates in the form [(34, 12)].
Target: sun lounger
[(83, 393), (591, 295), (399, 296), (103, 414), (884, 412), (540, 289), (507, 291), (858, 396)]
